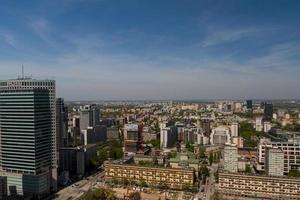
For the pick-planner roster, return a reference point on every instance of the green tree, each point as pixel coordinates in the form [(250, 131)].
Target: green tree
[(115, 153), (189, 147), (102, 155), (294, 173), (143, 183), (155, 143), (248, 169), (125, 181), (187, 187), (204, 173), (163, 186), (201, 152), (172, 154)]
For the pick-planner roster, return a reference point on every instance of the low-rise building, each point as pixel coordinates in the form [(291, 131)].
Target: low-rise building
[(263, 187), (183, 160), (154, 176), (220, 136)]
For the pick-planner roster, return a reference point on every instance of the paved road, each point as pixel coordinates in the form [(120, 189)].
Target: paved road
[(209, 187), (77, 189)]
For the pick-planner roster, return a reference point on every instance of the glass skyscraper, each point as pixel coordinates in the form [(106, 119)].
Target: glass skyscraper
[(28, 83), (25, 133)]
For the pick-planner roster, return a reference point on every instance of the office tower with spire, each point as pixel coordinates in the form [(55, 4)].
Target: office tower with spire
[(25, 137), (29, 83)]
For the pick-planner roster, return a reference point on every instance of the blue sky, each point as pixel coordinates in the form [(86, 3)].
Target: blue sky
[(154, 49)]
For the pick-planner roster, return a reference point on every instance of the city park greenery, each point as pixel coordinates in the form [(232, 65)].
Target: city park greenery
[(110, 149), (248, 133)]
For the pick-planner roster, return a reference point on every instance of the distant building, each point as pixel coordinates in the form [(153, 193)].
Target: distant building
[(238, 141), (231, 158), (89, 116), (168, 136), (93, 135), (249, 104), (132, 137), (113, 133), (267, 127), (234, 129), (274, 162), (259, 124), (205, 125), (268, 111), (61, 123), (220, 136)]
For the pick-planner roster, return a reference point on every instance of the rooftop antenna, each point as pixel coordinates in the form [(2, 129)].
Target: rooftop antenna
[(22, 71)]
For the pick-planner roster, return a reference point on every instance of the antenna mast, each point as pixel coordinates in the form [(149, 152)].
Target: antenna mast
[(23, 71)]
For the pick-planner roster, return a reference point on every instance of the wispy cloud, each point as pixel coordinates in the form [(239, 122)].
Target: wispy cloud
[(216, 37), (282, 57), (8, 38)]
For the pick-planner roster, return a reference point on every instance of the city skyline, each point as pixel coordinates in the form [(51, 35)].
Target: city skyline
[(111, 50)]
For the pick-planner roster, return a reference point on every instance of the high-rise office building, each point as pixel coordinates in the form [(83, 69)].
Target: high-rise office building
[(132, 137), (89, 117), (168, 136), (95, 116), (249, 104), (205, 125), (231, 158), (61, 123), (28, 83), (25, 137), (268, 111), (274, 162)]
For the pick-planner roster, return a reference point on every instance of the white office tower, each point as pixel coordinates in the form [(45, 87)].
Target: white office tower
[(234, 128), (220, 136), (231, 158), (274, 162), (258, 124), (28, 83), (267, 127)]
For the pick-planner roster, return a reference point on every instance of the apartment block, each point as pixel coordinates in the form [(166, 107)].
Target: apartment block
[(173, 178), (291, 151), (262, 187)]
